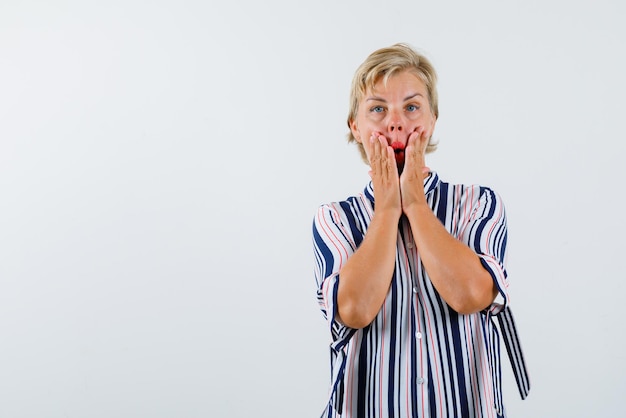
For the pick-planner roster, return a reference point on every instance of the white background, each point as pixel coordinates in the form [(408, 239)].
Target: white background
[(161, 163)]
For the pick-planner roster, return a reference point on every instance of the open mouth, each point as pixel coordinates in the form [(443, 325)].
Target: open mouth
[(398, 149)]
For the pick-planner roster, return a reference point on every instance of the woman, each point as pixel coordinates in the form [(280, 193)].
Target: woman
[(408, 270)]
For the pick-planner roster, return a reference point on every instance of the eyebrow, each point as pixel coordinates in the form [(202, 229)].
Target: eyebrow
[(380, 99)]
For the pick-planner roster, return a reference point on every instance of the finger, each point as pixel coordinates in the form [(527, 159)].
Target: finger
[(425, 139), (414, 137), (414, 156), (414, 145), (392, 167), (374, 155), (422, 138), (391, 163), (379, 156)]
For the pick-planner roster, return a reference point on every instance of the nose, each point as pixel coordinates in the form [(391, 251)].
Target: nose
[(395, 126), (396, 123)]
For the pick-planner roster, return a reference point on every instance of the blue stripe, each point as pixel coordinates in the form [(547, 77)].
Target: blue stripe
[(460, 366), (324, 253), (352, 223)]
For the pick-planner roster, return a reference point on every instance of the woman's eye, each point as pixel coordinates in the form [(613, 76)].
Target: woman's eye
[(377, 109), (412, 108)]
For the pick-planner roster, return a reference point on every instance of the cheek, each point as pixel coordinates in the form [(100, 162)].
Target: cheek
[(432, 126), (429, 124), (373, 123), (363, 131), (368, 147)]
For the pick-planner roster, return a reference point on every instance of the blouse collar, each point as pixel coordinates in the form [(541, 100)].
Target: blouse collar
[(430, 183)]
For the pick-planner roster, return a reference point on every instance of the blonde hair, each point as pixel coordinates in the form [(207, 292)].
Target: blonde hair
[(382, 64)]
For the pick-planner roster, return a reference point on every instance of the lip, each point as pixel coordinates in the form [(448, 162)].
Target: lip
[(397, 146)]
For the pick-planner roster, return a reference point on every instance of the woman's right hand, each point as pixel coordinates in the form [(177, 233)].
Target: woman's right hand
[(384, 174)]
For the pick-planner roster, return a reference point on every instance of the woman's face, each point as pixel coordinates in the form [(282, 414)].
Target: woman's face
[(394, 110)]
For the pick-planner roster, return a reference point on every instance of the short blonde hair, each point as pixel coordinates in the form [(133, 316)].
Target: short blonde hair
[(384, 63)]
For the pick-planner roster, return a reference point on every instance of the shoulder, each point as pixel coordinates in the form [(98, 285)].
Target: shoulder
[(349, 204), (467, 201), (474, 191), (353, 213)]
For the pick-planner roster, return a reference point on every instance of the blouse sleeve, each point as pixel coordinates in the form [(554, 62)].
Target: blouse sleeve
[(486, 234), (333, 243)]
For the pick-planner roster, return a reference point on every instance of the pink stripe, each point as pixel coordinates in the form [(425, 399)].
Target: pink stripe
[(467, 210), (336, 242)]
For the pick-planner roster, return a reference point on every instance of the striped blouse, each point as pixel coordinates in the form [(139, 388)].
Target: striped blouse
[(418, 358)]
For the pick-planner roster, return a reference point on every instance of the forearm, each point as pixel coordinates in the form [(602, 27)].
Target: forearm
[(365, 278), (454, 268)]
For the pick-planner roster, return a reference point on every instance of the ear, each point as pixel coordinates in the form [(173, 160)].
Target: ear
[(355, 131)]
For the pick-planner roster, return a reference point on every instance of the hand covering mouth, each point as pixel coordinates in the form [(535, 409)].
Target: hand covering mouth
[(398, 149)]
